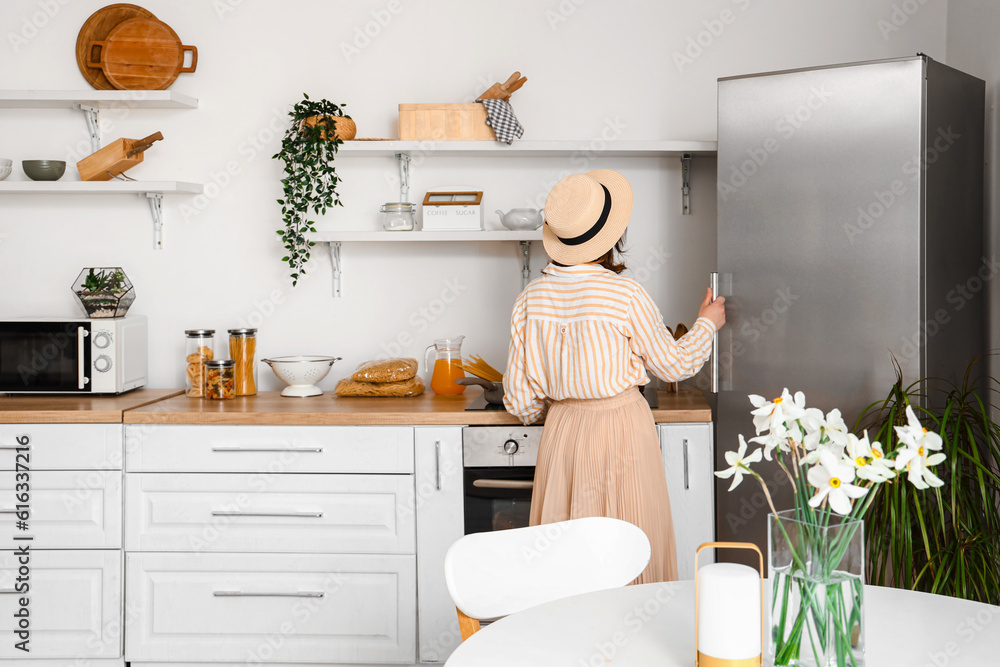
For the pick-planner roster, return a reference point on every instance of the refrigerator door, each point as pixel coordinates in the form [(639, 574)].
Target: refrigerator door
[(819, 250)]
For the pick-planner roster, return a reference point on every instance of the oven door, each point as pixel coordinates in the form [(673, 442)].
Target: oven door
[(45, 357), (497, 498)]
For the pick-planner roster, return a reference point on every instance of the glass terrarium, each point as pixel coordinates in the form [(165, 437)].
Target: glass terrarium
[(104, 291)]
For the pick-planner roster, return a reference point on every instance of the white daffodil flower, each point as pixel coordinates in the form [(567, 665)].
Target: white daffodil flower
[(832, 479), (867, 459), (770, 415), (914, 434), (916, 455), (776, 438), (740, 464)]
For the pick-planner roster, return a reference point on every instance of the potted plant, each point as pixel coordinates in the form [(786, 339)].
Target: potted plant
[(310, 180), (945, 541), (104, 291)]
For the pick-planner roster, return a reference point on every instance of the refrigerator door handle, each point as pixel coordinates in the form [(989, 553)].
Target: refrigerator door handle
[(713, 281)]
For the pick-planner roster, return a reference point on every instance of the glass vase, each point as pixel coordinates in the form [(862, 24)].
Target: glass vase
[(817, 585)]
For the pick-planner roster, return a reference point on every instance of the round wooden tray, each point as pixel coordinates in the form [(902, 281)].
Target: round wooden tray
[(96, 29), (142, 54)]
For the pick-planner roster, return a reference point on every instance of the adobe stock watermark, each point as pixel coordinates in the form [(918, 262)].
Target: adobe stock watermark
[(785, 128), (969, 629), (365, 34), (885, 199), (32, 24), (634, 621), (423, 317), (561, 12), (899, 15), (712, 30)]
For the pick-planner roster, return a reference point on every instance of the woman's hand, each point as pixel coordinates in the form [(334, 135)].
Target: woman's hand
[(713, 310)]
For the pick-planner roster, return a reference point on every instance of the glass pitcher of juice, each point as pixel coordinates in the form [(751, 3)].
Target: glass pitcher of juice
[(447, 365)]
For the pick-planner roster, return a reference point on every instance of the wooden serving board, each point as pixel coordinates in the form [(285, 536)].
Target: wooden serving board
[(96, 29), (142, 54)]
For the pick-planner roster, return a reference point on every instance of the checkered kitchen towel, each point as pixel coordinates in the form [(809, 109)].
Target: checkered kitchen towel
[(501, 118)]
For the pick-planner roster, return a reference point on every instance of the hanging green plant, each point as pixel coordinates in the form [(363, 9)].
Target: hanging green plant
[(311, 180)]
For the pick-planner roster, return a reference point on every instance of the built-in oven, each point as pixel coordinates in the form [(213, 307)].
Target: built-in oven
[(499, 469)]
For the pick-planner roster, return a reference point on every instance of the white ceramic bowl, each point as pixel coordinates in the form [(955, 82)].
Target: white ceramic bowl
[(302, 374), (6, 166)]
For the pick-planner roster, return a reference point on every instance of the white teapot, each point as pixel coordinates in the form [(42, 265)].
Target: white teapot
[(521, 219)]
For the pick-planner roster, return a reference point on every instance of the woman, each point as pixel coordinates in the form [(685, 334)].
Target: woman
[(582, 337)]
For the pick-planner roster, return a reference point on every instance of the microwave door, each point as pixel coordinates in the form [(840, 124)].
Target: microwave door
[(45, 357)]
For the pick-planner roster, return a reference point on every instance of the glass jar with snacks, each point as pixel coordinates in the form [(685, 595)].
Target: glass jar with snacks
[(242, 348), (220, 379), (199, 348)]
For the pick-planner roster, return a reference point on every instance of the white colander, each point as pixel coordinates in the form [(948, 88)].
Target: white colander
[(302, 374)]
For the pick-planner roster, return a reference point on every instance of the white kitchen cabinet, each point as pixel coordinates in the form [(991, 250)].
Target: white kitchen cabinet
[(64, 446), (75, 607), (239, 512), (69, 509), (440, 521), (272, 449), (271, 608), (689, 462)]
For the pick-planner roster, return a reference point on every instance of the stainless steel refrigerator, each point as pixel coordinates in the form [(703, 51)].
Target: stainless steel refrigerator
[(850, 227)]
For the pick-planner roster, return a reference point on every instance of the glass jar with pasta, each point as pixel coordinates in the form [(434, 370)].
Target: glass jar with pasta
[(242, 349), (220, 379), (199, 347)]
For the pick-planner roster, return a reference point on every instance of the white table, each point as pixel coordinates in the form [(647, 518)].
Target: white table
[(653, 625)]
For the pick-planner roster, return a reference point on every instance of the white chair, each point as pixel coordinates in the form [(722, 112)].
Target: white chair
[(490, 575)]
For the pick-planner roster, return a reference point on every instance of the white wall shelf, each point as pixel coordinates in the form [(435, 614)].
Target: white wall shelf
[(652, 149), (152, 190), (99, 99), (332, 241)]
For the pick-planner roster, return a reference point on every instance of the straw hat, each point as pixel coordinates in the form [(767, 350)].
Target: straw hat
[(585, 215)]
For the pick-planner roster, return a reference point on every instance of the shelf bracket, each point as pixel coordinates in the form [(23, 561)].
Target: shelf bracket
[(334, 248), (156, 210), (686, 184), (525, 263), (93, 116)]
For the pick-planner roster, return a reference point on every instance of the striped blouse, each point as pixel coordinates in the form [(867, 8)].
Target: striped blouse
[(586, 332)]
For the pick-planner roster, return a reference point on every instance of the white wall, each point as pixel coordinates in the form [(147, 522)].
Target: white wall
[(973, 48), (630, 69)]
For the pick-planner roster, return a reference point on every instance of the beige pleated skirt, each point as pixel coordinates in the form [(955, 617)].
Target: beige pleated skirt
[(601, 457)]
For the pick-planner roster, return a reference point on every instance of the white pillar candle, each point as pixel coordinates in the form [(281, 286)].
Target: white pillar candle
[(729, 614)]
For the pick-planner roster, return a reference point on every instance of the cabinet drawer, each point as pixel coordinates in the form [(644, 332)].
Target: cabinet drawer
[(75, 605), (270, 608), (688, 462), (273, 449), (68, 510), (64, 446), (270, 513)]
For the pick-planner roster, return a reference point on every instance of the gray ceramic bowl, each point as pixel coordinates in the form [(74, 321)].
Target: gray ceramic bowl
[(44, 170), (5, 168)]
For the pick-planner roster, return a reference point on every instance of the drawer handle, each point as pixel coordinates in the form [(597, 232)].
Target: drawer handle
[(502, 484), (7, 591), (311, 515), (241, 594), (11, 447), (297, 450), (8, 511)]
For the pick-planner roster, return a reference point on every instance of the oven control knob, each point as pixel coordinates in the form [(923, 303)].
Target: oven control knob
[(510, 447), (102, 339), (102, 364)]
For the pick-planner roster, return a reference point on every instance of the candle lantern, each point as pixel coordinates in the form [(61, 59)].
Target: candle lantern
[(729, 613)]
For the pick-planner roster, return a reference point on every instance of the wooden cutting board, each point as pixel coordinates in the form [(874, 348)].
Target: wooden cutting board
[(142, 54), (96, 29)]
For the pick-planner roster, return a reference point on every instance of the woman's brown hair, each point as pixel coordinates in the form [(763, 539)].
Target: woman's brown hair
[(611, 260)]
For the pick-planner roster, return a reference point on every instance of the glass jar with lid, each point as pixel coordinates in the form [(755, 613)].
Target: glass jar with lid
[(199, 347), (220, 379), (397, 216), (242, 349)]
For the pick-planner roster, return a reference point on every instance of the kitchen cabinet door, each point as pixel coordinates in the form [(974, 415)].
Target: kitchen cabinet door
[(269, 449), (64, 446), (68, 509), (440, 521), (75, 606), (688, 462), (270, 608), (277, 513)]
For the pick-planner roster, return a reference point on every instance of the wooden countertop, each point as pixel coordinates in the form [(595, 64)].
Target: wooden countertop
[(689, 405), (72, 409)]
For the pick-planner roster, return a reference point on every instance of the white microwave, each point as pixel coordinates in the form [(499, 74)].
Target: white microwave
[(72, 356)]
